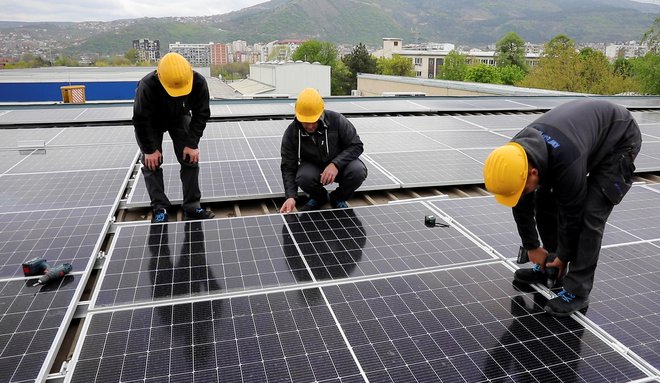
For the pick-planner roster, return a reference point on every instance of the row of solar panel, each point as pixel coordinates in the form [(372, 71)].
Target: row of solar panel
[(436, 305), (34, 114)]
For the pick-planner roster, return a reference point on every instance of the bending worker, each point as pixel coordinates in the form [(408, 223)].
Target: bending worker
[(175, 99), (562, 175), (318, 148)]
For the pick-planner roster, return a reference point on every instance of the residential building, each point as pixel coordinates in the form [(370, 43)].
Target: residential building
[(428, 61), (147, 50), (219, 53), (279, 78), (199, 55)]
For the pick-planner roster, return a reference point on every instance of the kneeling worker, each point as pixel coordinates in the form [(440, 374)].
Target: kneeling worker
[(318, 148)]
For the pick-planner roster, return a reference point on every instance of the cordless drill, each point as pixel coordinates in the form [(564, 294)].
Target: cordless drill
[(35, 266), (551, 272), (54, 274)]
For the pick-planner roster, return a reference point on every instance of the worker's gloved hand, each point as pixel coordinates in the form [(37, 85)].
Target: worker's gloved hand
[(555, 267), (538, 256)]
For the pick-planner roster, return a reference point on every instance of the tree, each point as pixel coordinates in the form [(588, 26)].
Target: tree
[(647, 74), (652, 37), (360, 60), (396, 66), (510, 51), (510, 75), (132, 55), (341, 80), (454, 67), (483, 73), (324, 52), (557, 68)]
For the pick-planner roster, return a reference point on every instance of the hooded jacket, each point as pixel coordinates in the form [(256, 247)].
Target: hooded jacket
[(566, 144), (334, 141), (154, 111)]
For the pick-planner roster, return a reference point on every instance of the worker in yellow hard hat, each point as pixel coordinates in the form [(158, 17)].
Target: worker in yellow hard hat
[(320, 147), (173, 99), (562, 175)]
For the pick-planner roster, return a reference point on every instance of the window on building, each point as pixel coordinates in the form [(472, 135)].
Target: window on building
[(396, 43), (418, 61)]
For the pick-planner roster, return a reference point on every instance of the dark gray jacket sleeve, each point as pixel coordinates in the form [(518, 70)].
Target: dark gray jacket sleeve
[(289, 164), (523, 214), (142, 121), (198, 101)]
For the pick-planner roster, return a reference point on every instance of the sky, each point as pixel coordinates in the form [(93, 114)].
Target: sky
[(107, 10)]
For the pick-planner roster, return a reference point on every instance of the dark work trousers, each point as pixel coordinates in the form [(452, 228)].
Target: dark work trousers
[(189, 173), (606, 186), (308, 178)]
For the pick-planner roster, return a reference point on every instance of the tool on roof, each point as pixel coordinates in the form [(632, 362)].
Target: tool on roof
[(430, 221), (35, 266), (54, 274)]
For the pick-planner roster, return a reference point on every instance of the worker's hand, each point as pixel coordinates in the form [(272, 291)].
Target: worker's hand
[(152, 161), (288, 205), (329, 174), (191, 155), (560, 265), (538, 256)]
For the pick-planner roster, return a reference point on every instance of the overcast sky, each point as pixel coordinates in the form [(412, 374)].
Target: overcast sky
[(107, 10)]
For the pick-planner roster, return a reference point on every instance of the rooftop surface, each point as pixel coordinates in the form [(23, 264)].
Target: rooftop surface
[(368, 293)]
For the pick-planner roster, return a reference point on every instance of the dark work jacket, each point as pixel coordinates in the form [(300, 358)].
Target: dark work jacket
[(335, 140), (155, 111), (565, 144)]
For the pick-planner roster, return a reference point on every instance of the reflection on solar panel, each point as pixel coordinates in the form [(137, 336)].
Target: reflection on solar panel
[(283, 337), (200, 258), (625, 301), (99, 135), (30, 319), (11, 138)]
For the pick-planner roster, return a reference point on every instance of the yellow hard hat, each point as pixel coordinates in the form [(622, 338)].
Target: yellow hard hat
[(175, 74), (309, 105), (505, 173)]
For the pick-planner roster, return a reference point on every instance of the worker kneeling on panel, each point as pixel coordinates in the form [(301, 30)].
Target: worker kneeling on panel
[(562, 175), (318, 148)]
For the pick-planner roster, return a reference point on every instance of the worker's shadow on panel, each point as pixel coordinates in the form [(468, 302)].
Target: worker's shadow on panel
[(534, 340), (176, 328), (331, 242), (185, 274)]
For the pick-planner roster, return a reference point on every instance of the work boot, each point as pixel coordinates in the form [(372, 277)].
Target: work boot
[(311, 204), (565, 304), (198, 213), (530, 276), (160, 216)]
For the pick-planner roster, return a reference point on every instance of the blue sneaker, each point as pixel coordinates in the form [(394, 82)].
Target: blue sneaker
[(565, 304), (160, 216), (340, 204)]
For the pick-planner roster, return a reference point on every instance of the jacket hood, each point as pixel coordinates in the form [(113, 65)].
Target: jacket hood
[(535, 147)]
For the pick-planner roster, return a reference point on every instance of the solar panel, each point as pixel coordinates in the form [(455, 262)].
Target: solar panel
[(156, 262), (467, 139), (77, 158), (493, 223), (500, 121), (273, 128), (424, 123), (646, 116), (467, 324), (108, 113), (430, 168), (59, 236), (625, 300), (97, 135), (12, 138), (42, 191), (31, 318), (218, 181), (377, 240), (398, 142), (265, 147), (40, 115), (228, 129), (377, 125), (213, 150), (284, 336)]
